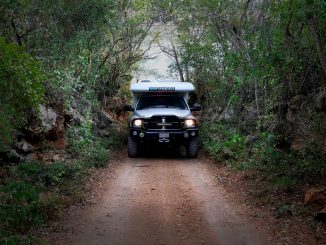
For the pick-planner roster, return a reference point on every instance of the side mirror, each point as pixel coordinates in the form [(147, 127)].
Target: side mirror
[(128, 108), (195, 107)]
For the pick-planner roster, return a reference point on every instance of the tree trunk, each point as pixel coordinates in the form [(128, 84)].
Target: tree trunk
[(257, 102), (318, 43), (175, 54)]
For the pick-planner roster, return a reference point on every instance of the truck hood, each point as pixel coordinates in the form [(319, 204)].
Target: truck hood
[(148, 113)]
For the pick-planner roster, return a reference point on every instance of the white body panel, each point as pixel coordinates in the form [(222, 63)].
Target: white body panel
[(148, 113), (182, 88)]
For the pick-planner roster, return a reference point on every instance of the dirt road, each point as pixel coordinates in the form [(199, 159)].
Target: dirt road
[(155, 200)]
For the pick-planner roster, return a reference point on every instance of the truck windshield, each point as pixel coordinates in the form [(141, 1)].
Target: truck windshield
[(161, 101)]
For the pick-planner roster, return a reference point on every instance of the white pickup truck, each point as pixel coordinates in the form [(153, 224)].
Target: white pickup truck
[(161, 115)]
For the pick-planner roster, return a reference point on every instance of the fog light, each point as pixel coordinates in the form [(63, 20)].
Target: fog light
[(141, 135), (134, 133), (193, 133), (186, 135)]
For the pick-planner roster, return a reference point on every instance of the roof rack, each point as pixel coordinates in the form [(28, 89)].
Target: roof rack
[(165, 86)]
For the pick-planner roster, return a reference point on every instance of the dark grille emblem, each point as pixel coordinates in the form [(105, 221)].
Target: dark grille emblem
[(164, 123)]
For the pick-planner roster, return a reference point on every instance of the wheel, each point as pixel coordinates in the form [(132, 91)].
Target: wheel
[(132, 147), (192, 148)]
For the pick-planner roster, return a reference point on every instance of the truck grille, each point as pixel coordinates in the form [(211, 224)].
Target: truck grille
[(163, 123)]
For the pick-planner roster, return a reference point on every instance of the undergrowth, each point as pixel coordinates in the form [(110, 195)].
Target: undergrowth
[(33, 192), (281, 167)]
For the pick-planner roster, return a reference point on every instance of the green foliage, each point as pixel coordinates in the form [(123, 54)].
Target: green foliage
[(260, 153), (17, 239), (223, 143), (88, 50), (20, 90), (117, 139), (41, 191), (89, 148), (19, 207), (243, 52)]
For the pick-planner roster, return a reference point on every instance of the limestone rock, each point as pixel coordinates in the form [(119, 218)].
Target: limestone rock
[(58, 129), (74, 117), (33, 157), (102, 123), (57, 157), (316, 196), (48, 117), (25, 146)]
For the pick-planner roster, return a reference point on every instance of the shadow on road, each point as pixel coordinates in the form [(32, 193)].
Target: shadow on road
[(163, 151)]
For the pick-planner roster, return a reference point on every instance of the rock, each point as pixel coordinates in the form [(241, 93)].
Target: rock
[(297, 144), (294, 106), (283, 210), (102, 123), (47, 124), (25, 146), (45, 156), (14, 156), (60, 143), (315, 196), (102, 119), (295, 102), (34, 133), (33, 157), (57, 157), (321, 215), (250, 139), (320, 101), (57, 130), (74, 117), (48, 118), (226, 114), (227, 153)]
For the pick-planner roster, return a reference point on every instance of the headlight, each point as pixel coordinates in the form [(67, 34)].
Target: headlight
[(137, 123), (190, 123)]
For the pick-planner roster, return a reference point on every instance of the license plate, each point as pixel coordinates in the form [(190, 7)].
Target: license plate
[(163, 135)]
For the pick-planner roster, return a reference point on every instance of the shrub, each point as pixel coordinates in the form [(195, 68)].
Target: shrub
[(93, 151), (283, 168), (19, 210), (20, 89)]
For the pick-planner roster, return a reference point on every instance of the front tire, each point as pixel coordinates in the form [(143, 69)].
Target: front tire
[(192, 148), (132, 147)]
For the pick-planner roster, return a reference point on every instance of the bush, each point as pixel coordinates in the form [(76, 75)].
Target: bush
[(221, 141), (20, 90), (19, 209), (283, 168), (92, 150)]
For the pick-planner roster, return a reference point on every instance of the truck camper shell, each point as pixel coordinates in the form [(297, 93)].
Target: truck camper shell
[(161, 115), (170, 87)]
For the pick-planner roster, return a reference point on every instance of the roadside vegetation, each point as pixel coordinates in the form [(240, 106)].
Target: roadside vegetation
[(259, 68), (34, 192), (64, 73), (261, 153)]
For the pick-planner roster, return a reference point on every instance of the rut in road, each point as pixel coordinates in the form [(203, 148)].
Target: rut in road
[(163, 201)]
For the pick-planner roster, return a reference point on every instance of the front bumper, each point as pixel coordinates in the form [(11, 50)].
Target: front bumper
[(164, 136)]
